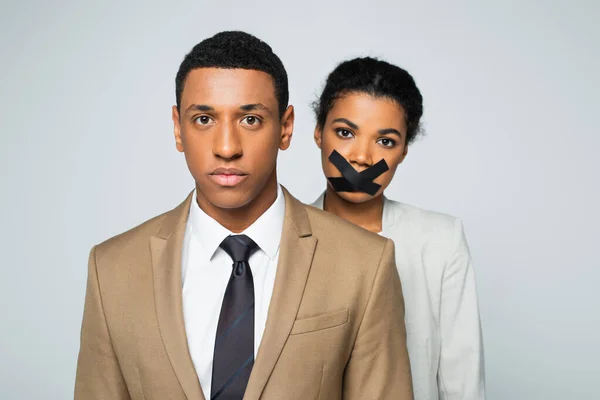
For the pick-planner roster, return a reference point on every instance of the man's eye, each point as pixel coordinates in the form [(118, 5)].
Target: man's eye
[(203, 120), (251, 120)]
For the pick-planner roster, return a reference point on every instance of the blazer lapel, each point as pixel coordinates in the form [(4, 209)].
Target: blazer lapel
[(295, 258), (166, 249)]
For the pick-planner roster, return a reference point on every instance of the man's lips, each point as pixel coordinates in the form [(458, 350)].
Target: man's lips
[(227, 176), (228, 171)]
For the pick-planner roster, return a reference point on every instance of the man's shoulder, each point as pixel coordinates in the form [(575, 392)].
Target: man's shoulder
[(347, 258), (338, 233), (144, 230), (130, 242), (138, 237)]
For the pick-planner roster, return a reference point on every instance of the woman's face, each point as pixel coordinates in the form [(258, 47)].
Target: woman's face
[(363, 129)]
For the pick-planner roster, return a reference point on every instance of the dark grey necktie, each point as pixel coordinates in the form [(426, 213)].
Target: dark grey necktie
[(234, 345)]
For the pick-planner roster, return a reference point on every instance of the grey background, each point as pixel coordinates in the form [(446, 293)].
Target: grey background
[(511, 97)]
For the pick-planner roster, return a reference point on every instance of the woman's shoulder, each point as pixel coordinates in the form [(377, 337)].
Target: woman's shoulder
[(402, 216)]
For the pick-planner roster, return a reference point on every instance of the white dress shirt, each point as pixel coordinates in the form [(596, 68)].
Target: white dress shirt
[(206, 269), (442, 314)]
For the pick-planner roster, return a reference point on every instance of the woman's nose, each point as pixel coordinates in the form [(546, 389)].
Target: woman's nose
[(360, 155)]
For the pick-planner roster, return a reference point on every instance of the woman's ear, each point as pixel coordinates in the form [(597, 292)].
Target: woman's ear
[(318, 135), (404, 153)]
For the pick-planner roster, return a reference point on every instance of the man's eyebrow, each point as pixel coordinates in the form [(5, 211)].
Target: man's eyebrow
[(346, 121), (199, 107), (390, 130), (254, 107)]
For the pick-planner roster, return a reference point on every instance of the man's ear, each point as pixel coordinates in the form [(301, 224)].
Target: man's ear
[(287, 128), (177, 129), (318, 135)]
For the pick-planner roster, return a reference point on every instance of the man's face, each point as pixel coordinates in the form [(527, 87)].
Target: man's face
[(229, 129)]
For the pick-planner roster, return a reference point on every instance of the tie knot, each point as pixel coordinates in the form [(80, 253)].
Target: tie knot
[(239, 247)]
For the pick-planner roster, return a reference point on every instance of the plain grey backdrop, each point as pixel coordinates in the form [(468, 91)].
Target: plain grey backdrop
[(511, 94)]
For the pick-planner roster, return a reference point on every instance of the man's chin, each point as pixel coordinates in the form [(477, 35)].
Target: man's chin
[(228, 199)]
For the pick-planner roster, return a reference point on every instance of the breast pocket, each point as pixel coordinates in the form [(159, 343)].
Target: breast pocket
[(320, 322)]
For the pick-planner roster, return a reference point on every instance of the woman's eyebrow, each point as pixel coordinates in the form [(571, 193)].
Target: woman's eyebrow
[(346, 121), (390, 130)]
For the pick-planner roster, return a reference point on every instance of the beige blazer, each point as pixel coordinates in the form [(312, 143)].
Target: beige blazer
[(335, 326), (443, 327)]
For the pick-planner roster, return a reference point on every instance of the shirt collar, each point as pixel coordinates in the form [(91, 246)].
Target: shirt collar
[(265, 231)]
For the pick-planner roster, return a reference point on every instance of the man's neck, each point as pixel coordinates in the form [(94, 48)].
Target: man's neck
[(368, 215), (238, 220)]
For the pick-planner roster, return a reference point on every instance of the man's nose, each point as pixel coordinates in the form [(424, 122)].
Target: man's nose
[(226, 141)]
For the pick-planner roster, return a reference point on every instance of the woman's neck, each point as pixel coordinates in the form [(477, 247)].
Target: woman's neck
[(368, 215)]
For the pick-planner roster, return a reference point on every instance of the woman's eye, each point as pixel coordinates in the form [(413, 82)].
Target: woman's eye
[(203, 120), (345, 133), (387, 142)]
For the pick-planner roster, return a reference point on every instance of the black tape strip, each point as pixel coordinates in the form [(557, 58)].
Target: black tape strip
[(354, 181)]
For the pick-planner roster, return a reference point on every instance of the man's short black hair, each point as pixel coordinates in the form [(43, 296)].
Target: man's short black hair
[(379, 79), (235, 49)]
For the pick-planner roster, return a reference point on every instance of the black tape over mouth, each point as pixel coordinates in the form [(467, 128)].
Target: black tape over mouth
[(354, 181)]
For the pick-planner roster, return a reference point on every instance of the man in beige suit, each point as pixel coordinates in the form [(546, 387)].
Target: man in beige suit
[(241, 291)]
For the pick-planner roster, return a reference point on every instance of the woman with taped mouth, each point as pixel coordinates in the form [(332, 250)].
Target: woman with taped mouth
[(367, 116)]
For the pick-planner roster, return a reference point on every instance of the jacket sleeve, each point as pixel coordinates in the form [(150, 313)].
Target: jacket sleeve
[(379, 367), (461, 368), (98, 372)]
